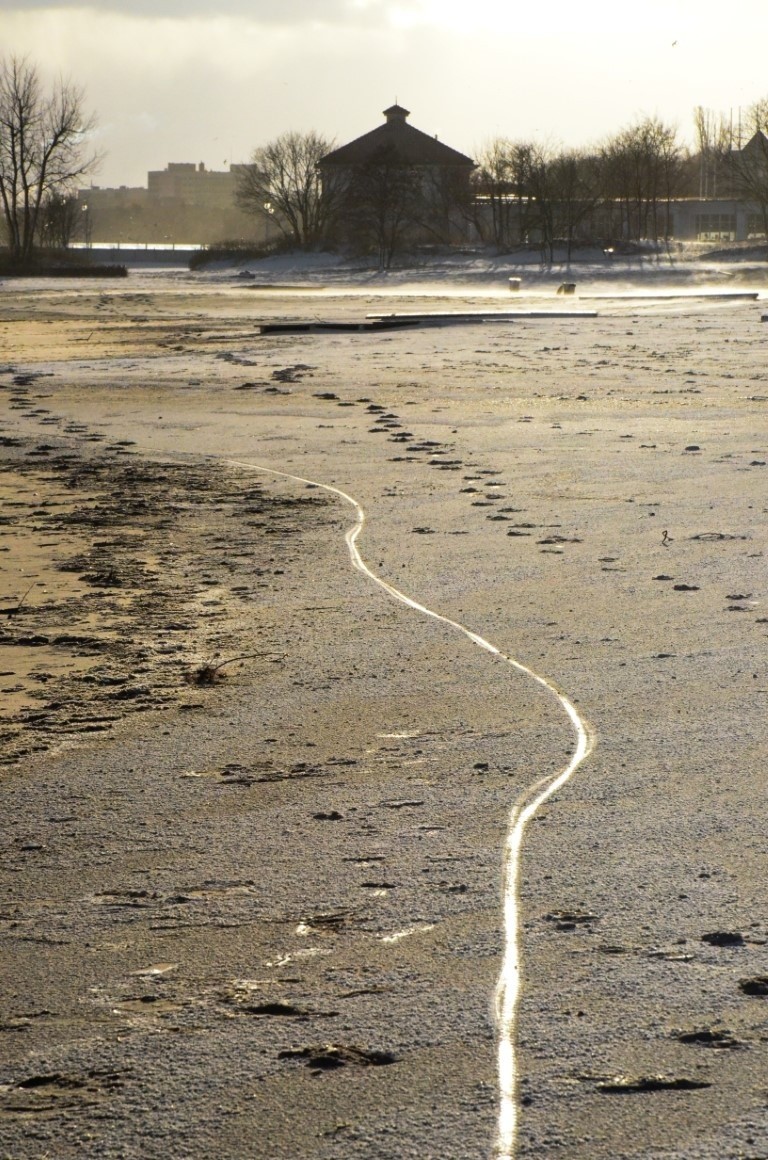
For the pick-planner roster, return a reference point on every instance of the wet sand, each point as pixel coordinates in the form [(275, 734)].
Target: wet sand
[(255, 910)]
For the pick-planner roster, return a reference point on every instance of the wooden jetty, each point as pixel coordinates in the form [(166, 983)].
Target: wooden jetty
[(664, 295), (375, 323), (316, 326), (446, 317)]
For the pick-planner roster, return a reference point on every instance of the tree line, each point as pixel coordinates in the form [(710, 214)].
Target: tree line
[(374, 207), (519, 191)]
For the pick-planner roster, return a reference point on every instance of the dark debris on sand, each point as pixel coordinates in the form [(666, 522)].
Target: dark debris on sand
[(174, 551)]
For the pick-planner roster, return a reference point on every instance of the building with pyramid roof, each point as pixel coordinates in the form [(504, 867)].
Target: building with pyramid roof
[(398, 188), (413, 147)]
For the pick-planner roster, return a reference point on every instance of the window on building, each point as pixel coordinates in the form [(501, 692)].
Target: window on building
[(755, 225), (716, 227)]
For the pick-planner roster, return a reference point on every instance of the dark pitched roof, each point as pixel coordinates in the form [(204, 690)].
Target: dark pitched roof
[(411, 145), (758, 142)]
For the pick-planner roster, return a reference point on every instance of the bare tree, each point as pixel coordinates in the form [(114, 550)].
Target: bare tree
[(383, 200), (537, 186), (496, 210), (529, 170), (526, 190), (531, 175), (283, 182), (446, 205), (43, 143), (575, 181), (747, 166), (714, 139), (59, 220), (728, 168), (644, 168)]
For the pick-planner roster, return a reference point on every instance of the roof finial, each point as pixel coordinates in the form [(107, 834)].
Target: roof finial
[(396, 113)]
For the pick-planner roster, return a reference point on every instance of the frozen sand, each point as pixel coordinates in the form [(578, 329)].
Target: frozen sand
[(191, 837)]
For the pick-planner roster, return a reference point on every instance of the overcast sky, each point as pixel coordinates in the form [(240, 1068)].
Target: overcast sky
[(209, 80)]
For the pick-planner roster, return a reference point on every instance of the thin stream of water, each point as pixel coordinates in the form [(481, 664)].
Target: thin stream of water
[(507, 991)]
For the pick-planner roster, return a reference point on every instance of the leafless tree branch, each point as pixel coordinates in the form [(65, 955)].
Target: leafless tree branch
[(43, 148)]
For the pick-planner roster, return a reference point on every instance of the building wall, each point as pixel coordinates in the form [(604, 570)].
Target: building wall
[(186, 204), (183, 204), (685, 219), (715, 220)]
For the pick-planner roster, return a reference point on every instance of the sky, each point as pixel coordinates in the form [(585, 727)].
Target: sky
[(211, 80)]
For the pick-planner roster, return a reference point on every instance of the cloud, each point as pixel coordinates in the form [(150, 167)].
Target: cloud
[(192, 80), (280, 13), (214, 87)]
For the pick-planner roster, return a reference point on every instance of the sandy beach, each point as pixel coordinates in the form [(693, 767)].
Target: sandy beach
[(255, 808)]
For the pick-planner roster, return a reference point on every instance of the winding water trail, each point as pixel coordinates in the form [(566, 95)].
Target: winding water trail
[(508, 985)]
